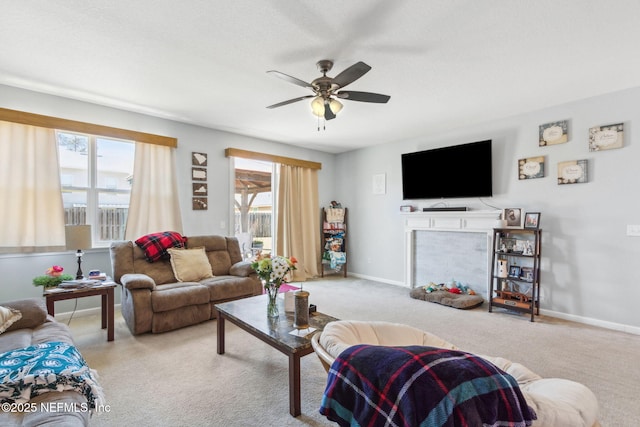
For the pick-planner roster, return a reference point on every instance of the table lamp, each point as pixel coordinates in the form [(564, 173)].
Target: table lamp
[(78, 237)]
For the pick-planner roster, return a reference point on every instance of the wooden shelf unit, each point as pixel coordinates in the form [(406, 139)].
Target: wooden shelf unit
[(522, 292), (338, 232)]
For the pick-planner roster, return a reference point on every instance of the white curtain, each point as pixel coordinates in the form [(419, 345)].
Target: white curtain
[(32, 214), (154, 204), (298, 225)]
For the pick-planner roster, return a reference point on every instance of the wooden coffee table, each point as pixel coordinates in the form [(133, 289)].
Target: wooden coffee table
[(250, 314)]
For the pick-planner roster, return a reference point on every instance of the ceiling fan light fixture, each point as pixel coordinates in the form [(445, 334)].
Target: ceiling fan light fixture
[(317, 106)]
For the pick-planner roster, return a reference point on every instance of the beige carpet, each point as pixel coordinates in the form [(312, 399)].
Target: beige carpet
[(178, 379)]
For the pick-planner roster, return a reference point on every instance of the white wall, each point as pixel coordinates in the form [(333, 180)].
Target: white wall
[(589, 270), (589, 263), (18, 271)]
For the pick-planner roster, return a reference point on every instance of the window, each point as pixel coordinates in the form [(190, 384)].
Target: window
[(96, 175), (253, 204)]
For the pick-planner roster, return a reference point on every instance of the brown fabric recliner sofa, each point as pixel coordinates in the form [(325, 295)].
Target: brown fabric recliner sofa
[(153, 300)]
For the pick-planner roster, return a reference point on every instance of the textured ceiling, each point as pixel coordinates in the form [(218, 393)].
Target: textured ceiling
[(444, 63)]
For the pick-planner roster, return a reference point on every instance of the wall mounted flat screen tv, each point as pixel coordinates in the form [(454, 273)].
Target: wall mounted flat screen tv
[(458, 171)]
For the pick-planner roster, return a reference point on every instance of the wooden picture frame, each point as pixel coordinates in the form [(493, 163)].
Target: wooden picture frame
[(513, 216), (532, 220), (200, 189), (198, 174), (199, 159), (200, 204)]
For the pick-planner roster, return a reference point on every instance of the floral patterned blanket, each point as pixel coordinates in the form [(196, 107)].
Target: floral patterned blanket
[(421, 386), (51, 366)]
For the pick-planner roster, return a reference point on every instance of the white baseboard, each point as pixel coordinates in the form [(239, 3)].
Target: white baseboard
[(578, 319), (378, 279), (95, 311), (593, 322)]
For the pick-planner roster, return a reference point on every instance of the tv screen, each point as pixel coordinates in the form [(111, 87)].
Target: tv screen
[(451, 172)]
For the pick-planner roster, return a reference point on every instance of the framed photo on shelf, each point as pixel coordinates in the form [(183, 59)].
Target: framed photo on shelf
[(526, 273), (515, 271), (532, 220), (513, 216), (507, 244)]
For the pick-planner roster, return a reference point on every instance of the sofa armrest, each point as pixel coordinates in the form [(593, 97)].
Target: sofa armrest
[(33, 310), (137, 281), (242, 269)]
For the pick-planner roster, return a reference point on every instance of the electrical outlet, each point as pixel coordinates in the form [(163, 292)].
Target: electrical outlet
[(633, 230), (223, 224)]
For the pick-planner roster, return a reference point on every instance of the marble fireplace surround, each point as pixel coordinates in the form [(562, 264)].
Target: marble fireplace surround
[(445, 245)]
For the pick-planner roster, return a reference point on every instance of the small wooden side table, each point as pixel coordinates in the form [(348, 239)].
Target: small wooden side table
[(105, 289)]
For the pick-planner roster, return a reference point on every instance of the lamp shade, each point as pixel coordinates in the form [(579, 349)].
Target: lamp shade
[(77, 237), (317, 106)]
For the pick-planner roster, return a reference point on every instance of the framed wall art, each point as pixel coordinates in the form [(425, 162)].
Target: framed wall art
[(199, 159), (199, 174), (572, 172), (513, 216), (531, 168), (200, 189), (199, 204), (606, 137), (553, 133)]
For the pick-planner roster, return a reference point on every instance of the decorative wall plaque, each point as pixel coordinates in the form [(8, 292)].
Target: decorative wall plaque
[(531, 168), (553, 133), (606, 137), (572, 172)]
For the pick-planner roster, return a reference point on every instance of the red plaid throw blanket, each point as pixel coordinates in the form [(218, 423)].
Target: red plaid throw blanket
[(421, 386)]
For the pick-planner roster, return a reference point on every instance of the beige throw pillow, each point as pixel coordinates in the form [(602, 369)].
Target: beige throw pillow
[(190, 265), (8, 316)]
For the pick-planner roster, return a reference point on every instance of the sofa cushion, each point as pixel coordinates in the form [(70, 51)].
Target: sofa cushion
[(155, 245), (176, 295), (225, 288), (33, 313), (8, 316), (190, 265)]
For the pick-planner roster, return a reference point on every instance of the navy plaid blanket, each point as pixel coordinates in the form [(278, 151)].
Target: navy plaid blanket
[(421, 386)]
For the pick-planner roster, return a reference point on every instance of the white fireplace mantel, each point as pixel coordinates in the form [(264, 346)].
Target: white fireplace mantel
[(481, 221)]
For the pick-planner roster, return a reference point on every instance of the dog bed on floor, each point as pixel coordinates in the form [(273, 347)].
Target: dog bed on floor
[(461, 301)]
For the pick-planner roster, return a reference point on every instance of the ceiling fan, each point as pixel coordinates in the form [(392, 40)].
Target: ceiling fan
[(327, 89)]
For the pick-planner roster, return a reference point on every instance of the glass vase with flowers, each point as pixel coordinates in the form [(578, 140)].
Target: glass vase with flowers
[(273, 271)]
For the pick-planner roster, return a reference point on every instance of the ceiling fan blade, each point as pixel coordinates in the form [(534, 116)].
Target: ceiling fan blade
[(290, 101), (328, 114), (351, 74), (363, 96), (290, 79)]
